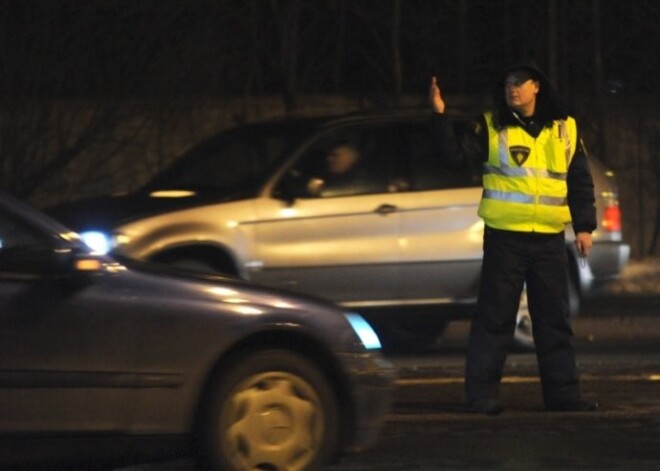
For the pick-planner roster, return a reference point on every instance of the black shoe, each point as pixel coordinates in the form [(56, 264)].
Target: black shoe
[(573, 406), (487, 406)]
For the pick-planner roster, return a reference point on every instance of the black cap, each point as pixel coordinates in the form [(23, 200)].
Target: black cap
[(519, 76), (548, 105)]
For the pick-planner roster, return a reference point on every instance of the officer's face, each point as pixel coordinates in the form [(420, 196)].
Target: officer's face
[(520, 93)]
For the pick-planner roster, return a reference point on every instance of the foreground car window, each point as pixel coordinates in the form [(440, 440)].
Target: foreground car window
[(15, 234), (23, 250)]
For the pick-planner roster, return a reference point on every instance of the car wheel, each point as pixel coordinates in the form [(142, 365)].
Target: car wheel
[(523, 337), (274, 410)]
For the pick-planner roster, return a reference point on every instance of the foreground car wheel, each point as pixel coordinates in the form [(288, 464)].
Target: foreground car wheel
[(274, 411)]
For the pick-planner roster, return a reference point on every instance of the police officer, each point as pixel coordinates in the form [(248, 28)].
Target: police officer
[(535, 181)]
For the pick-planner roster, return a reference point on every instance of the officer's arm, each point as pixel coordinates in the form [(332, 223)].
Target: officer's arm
[(581, 192)]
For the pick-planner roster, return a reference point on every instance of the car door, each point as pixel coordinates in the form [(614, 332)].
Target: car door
[(65, 349), (321, 233), (441, 234)]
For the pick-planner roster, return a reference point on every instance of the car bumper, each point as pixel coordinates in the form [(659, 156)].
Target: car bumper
[(372, 384), (607, 260)]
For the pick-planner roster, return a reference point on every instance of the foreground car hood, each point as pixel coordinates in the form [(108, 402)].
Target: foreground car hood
[(216, 287)]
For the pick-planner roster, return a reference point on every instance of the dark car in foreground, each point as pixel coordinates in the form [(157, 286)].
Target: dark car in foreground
[(102, 359), (400, 240)]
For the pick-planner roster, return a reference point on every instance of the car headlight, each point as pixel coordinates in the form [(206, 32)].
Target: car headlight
[(364, 331), (97, 241)]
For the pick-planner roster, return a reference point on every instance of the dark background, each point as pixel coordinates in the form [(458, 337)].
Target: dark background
[(288, 47), (96, 95)]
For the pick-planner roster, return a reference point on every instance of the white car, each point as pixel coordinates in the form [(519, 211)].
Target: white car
[(400, 241)]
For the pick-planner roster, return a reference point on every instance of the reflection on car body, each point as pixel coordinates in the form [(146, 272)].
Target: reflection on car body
[(102, 359), (403, 245)]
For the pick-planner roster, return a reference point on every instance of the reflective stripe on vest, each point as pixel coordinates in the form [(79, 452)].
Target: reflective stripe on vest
[(522, 198), (529, 193)]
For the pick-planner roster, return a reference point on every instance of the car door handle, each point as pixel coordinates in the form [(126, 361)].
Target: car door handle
[(386, 209)]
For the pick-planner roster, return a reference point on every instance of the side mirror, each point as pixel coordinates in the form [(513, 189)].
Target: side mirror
[(295, 185), (290, 188)]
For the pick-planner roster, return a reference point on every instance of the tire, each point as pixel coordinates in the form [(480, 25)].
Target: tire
[(523, 338), (273, 410)]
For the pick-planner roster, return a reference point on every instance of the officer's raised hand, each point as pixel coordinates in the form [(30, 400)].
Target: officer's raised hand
[(435, 97)]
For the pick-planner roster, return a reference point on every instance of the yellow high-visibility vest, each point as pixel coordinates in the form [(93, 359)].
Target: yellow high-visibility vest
[(524, 178)]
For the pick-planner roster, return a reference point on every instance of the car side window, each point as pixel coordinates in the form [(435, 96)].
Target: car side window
[(346, 162), (426, 169)]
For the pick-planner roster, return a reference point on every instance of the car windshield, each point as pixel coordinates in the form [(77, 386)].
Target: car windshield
[(237, 159)]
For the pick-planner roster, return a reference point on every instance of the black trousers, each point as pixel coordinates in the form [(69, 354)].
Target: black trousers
[(511, 260)]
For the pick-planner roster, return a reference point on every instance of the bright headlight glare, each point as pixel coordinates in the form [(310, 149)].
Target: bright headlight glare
[(364, 331), (97, 241)]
